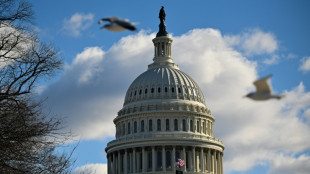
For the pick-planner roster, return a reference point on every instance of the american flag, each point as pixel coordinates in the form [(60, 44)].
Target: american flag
[(180, 162)]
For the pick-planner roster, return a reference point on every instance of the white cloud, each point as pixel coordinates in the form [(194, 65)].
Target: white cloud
[(305, 64), (91, 90), (287, 164), (254, 42), (274, 59), (91, 169), (86, 63), (258, 131), (77, 23), (253, 132)]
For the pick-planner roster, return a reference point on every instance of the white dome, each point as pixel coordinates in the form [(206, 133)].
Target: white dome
[(163, 83), (164, 118), (163, 86)]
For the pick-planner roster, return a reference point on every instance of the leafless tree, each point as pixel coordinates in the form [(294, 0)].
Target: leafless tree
[(28, 136)]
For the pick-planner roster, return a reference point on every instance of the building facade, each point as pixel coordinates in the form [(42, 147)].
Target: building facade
[(164, 118)]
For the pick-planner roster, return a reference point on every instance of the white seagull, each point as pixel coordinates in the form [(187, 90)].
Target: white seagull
[(117, 24), (263, 90)]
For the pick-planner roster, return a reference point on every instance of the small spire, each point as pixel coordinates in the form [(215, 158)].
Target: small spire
[(162, 27)]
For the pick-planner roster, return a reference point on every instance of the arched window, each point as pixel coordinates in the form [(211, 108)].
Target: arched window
[(135, 93), (145, 91), (191, 126), (176, 128), (172, 89), (152, 90), (142, 125), (158, 90), (162, 49), (198, 126), (150, 125), (135, 127), (179, 90), (123, 130), (117, 131), (128, 128), (166, 89), (167, 125), (158, 125), (204, 127), (184, 125)]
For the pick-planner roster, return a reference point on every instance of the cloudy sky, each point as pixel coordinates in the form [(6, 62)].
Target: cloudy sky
[(223, 45)]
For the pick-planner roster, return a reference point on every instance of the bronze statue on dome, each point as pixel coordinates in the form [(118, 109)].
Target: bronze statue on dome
[(162, 15), (162, 27)]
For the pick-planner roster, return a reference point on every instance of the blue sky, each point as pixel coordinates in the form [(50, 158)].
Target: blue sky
[(228, 45)]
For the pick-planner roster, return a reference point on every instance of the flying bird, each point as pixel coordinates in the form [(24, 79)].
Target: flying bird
[(117, 24), (263, 90)]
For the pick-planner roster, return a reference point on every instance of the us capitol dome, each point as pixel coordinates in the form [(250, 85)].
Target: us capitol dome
[(164, 125)]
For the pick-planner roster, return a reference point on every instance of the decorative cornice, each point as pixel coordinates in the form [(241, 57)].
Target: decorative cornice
[(154, 138)]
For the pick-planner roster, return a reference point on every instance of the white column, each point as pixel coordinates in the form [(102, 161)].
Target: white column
[(219, 163), (210, 160), (209, 128), (138, 161), (188, 124), (143, 160), (134, 160), (193, 159), (215, 162), (114, 164), (180, 123), (153, 159), (190, 163), (125, 162), (119, 162), (184, 158), (212, 130), (205, 156), (194, 125), (164, 159), (201, 160), (200, 123), (131, 162), (170, 49), (173, 159), (166, 51), (222, 169)]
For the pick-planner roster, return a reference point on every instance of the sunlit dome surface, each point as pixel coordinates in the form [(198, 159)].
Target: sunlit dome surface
[(163, 83)]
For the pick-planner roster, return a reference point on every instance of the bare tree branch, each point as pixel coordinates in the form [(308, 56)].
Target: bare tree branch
[(28, 137)]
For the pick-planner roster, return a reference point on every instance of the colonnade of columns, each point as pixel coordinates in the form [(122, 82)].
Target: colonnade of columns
[(162, 48), (162, 159)]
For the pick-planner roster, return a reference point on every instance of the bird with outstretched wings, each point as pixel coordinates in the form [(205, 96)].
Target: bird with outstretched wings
[(263, 85), (263, 90), (116, 24)]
